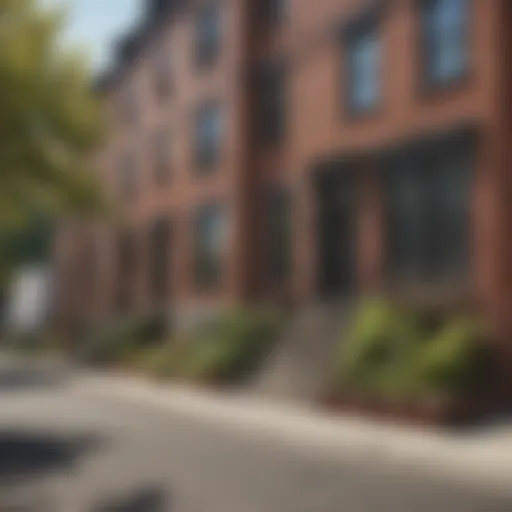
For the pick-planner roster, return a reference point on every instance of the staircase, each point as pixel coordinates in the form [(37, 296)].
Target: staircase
[(300, 367)]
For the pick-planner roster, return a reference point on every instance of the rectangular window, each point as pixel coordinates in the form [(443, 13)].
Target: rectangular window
[(208, 136), (128, 107), (273, 12), (428, 199), (160, 260), (210, 245), (126, 269), (162, 73), (128, 176), (162, 156), (279, 230), (272, 107), (445, 39), (208, 35), (450, 192), (363, 69), (406, 219)]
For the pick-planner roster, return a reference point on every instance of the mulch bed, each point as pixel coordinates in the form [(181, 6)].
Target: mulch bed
[(439, 414)]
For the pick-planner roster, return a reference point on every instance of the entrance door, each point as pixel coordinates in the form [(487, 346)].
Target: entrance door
[(336, 195)]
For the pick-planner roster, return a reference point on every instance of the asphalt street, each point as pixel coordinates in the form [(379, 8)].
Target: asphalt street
[(63, 448)]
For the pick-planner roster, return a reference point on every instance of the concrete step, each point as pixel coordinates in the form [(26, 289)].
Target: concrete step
[(301, 365)]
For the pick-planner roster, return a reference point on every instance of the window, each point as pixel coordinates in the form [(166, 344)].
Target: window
[(445, 39), (451, 199), (428, 214), (162, 73), (273, 11), (279, 235), (126, 268), (208, 136), (88, 269), (272, 108), (128, 176), (210, 245), (208, 36), (162, 156), (160, 260), (129, 111), (406, 219), (363, 69)]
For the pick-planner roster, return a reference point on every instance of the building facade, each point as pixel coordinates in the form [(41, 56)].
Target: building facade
[(264, 150)]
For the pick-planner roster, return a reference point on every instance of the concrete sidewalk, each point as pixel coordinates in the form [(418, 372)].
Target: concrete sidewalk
[(481, 457)]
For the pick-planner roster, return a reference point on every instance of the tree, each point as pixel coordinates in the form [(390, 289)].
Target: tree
[(49, 116), (50, 121)]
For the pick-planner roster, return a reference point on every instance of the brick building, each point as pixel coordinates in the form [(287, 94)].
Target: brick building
[(269, 149)]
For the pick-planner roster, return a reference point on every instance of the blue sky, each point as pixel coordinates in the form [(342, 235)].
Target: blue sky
[(95, 24)]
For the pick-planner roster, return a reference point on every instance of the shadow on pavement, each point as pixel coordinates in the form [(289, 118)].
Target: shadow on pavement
[(147, 499), (26, 454)]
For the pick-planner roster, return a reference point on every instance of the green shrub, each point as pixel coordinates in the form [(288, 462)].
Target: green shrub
[(163, 361), (232, 347), (38, 344), (453, 360), (373, 359), (203, 361), (121, 339), (391, 353), (25, 345)]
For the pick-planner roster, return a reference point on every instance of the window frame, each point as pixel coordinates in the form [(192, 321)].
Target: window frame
[(207, 49), (128, 105), (368, 24), (273, 13), (279, 202), (160, 257), (272, 104), (207, 156), (432, 161), (162, 157), (208, 279), (428, 82), (162, 72), (128, 176), (127, 261)]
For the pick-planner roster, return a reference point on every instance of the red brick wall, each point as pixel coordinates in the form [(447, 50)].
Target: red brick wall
[(186, 189), (318, 130)]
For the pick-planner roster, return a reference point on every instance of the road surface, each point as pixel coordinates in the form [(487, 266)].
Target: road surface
[(64, 448)]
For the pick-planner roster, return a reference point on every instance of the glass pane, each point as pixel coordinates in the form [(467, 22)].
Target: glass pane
[(446, 25), (364, 68)]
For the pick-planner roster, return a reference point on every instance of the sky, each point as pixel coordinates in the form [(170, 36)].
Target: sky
[(96, 24)]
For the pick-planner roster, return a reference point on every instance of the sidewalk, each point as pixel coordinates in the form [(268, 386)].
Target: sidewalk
[(481, 457)]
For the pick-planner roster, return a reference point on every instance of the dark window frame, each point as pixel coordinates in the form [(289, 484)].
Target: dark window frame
[(160, 254), (208, 267), (162, 156), (126, 269), (272, 104), (128, 105), (162, 73), (428, 82), (443, 251), (208, 40), (279, 233), (273, 12), (369, 23), (129, 176), (208, 152)]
